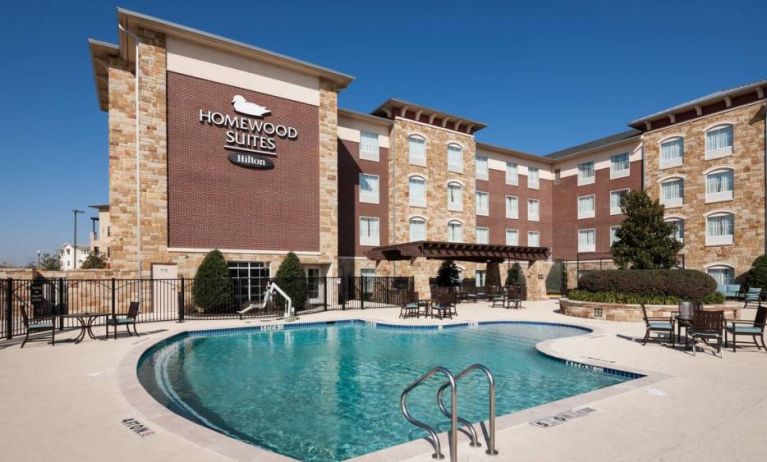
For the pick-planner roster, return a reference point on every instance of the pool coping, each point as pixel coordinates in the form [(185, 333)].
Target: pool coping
[(140, 399)]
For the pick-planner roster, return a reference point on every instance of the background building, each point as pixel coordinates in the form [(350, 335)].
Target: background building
[(67, 256)]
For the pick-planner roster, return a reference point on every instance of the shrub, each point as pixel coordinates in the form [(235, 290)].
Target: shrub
[(515, 275), (448, 274), (290, 278), (213, 289), (685, 284), (714, 298), (757, 274), (94, 261)]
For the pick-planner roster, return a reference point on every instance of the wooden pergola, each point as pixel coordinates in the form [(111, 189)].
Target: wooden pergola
[(457, 251)]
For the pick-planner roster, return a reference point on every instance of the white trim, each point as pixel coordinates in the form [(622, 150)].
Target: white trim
[(716, 124), (621, 173), (456, 181), (457, 220), (421, 217), (724, 111), (680, 176), (719, 211), (719, 263), (719, 167), (242, 251), (434, 126), (670, 137), (463, 146), (674, 216)]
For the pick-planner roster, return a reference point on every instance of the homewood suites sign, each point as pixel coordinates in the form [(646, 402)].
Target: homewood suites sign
[(247, 134)]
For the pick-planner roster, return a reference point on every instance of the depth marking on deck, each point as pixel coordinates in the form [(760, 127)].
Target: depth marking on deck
[(137, 427), (562, 417)]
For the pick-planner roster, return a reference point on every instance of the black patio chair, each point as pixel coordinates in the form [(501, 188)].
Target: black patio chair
[(410, 305), (127, 320), (38, 325), (753, 329), (707, 325), (659, 324), (443, 307)]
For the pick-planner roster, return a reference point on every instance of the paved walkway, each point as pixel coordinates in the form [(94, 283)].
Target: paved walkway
[(62, 403)]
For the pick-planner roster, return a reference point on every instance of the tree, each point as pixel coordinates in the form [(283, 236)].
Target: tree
[(448, 274), (757, 274), (290, 278), (645, 241), (50, 262), (213, 288), (515, 275), (94, 261)]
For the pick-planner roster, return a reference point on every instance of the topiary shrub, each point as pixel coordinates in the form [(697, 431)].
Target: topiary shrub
[(757, 274), (686, 284), (213, 289), (290, 278), (448, 274), (715, 298)]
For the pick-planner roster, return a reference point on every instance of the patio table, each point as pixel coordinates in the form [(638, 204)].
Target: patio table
[(426, 305), (86, 321)]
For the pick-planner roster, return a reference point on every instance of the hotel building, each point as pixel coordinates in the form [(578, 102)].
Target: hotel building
[(245, 150)]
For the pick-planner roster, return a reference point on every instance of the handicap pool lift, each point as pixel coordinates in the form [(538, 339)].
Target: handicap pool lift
[(271, 288)]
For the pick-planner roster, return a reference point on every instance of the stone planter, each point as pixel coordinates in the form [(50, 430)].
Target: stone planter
[(630, 312)]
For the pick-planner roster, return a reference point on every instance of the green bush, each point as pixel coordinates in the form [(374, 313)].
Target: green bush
[(290, 278), (757, 274), (213, 289), (448, 274), (685, 284), (94, 261), (715, 298), (515, 275)]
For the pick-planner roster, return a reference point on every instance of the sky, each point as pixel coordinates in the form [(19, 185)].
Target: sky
[(543, 75)]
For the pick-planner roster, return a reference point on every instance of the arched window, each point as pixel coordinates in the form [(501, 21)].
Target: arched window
[(417, 149), (719, 141), (454, 158), (722, 274), (672, 152), (417, 191), (719, 185), (672, 192), (720, 228), (454, 197), (417, 229), (454, 231)]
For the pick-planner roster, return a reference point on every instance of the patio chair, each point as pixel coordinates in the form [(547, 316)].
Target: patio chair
[(747, 328), (752, 296), (126, 320), (498, 297), (410, 305), (707, 325), (514, 296), (442, 308), (34, 326), (732, 291), (658, 324)]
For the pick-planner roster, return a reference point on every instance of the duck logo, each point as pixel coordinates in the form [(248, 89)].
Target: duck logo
[(243, 106)]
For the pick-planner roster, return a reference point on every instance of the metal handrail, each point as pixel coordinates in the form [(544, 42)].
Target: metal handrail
[(491, 406), (433, 439)]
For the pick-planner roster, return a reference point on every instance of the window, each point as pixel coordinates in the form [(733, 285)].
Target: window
[(417, 191), (672, 152), (678, 232), (417, 229), (417, 150), (620, 166), (533, 177), (587, 240), (454, 231), (249, 279), (719, 185), (483, 206), (722, 274), (719, 142), (614, 234), (483, 235), (512, 174), (615, 201), (480, 278), (586, 173), (512, 237), (586, 207), (512, 207), (369, 231), (368, 188), (533, 210), (672, 192), (481, 167), (369, 146), (368, 281), (454, 158), (720, 229), (454, 197), (533, 239)]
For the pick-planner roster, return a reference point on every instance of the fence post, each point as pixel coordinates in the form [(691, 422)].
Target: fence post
[(62, 303), (9, 309), (181, 302), (342, 291), (362, 292), (325, 296), (114, 300)]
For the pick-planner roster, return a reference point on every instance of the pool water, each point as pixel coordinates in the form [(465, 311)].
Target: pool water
[(331, 392)]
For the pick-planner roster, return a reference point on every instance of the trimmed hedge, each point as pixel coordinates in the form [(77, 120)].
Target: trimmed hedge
[(682, 283), (715, 298)]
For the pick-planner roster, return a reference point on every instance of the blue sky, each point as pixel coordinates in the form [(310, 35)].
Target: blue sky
[(542, 75)]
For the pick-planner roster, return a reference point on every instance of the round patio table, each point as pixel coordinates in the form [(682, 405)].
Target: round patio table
[(86, 321)]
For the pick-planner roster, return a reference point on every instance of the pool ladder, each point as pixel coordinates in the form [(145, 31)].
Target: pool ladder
[(455, 419)]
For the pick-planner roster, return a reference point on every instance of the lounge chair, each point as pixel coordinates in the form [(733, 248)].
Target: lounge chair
[(751, 329), (126, 320), (731, 291), (752, 297), (707, 325), (658, 324), (34, 326)]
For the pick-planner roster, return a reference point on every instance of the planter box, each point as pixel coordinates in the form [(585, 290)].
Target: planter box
[(630, 312)]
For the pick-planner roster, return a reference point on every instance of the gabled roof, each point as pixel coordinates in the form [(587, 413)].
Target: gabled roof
[(101, 52), (392, 105), (607, 141)]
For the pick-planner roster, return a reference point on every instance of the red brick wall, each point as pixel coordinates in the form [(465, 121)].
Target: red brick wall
[(213, 203)]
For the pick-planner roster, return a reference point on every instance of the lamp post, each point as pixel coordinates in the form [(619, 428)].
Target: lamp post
[(38, 258), (75, 212)]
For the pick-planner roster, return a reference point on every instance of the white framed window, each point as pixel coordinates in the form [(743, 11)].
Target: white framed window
[(369, 230), (533, 178), (719, 141), (369, 188), (672, 152), (615, 201), (454, 197), (483, 235), (512, 237), (369, 146), (586, 173), (480, 278), (417, 229), (512, 207), (454, 158), (368, 274), (720, 229), (678, 232), (614, 234), (454, 231), (533, 210), (620, 166), (416, 150), (482, 172), (719, 185), (586, 206), (417, 191), (483, 203), (533, 239), (722, 274), (587, 240), (672, 192), (512, 174)]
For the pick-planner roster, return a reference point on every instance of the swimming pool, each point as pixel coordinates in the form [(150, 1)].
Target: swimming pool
[(331, 391)]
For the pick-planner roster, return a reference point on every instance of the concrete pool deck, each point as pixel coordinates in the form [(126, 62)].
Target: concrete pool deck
[(64, 402)]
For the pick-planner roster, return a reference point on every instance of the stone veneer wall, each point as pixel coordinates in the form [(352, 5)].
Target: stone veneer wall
[(329, 176), (748, 203), (627, 312)]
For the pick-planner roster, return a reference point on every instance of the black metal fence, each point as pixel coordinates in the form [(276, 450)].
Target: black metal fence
[(173, 299)]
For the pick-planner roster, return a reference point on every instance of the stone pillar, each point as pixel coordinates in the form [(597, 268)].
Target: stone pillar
[(329, 176), (493, 274), (535, 277)]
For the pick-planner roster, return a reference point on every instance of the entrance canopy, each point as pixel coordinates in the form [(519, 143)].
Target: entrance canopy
[(439, 250)]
